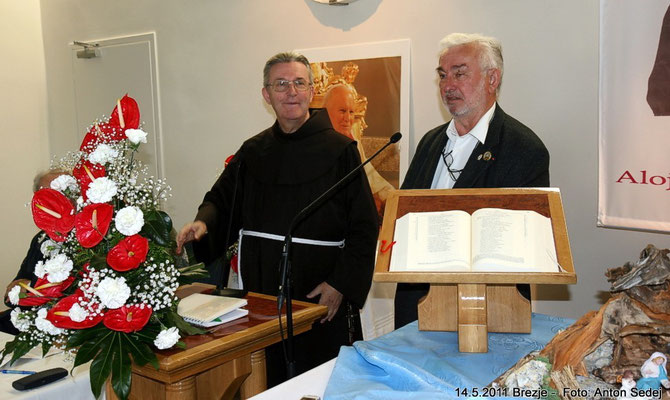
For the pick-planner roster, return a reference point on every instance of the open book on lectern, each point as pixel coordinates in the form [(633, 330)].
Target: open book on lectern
[(489, 240)]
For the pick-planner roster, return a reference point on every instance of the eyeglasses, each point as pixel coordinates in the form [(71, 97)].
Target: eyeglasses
[(282, 85), (448, 159)]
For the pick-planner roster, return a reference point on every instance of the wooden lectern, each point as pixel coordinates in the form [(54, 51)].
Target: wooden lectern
[(475, 303)]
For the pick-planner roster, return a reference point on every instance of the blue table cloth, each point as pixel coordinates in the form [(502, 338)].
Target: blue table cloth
[(412, 364)]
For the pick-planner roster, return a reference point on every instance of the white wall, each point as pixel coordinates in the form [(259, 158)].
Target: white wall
[(23, 121), (211, 54)]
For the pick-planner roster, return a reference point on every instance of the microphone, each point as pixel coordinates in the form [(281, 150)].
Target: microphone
[(285, 273), (394, 138)]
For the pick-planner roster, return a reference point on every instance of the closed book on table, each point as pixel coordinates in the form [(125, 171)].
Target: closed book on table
[(208, 310)]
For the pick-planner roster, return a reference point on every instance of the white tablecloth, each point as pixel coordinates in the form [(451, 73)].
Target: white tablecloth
[(311, 382), (74, 386)]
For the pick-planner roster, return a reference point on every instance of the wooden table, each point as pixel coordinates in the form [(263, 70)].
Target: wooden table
[(230, 358)]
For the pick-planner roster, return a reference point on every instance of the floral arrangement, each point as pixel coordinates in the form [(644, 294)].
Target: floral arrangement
[(105, 290)]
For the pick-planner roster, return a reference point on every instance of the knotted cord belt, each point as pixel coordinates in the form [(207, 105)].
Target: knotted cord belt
[(272, 236)]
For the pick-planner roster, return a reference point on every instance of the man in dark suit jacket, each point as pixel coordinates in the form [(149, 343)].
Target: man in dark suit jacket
[(481, 147)]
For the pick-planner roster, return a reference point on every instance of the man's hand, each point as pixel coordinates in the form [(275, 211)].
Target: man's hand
[(330, 297), (192, 231), (14, 283)]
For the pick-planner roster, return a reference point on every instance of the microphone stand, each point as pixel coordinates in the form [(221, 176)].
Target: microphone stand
[(285, 263)]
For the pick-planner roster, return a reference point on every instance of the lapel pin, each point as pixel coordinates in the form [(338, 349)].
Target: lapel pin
[(487, 156)]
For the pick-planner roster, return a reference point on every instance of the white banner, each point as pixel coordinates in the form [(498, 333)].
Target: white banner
[(634, 137)]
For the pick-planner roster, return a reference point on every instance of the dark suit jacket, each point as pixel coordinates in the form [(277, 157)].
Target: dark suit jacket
[(27, 269), (518, 158)]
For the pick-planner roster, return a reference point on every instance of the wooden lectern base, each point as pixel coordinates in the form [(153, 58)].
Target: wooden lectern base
[(473, 310)]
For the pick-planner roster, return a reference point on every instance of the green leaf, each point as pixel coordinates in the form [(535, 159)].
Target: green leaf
[(101, 366), (141, 353), (157, 227), (98, 262), (81, 336), (9, 348), (187, 279), (147, 335), (22, 347), (45, 348), (88, 350), (192, 273), (174, 319), (191, 268), (121, 369)]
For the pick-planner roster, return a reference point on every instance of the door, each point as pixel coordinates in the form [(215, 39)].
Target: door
[(122, 65)]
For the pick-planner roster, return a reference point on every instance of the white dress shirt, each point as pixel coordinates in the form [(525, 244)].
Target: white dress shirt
[(460, 148)]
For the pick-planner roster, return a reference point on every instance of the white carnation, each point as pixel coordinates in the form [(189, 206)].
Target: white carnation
[(19, 320), (136, 136), (129, 220), (57, 269), (49, 248), (77, 313), (101, 190), (166, 338), (113, 292), (80, 203), (14, 294), (103, 154), (63, 183), (39, 269), (44, 324)]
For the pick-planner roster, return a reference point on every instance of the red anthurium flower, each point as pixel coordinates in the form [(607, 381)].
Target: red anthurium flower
[(92, 223), (128, 254), (44, 291), (53, 289), (101, 133), (32, 301), (53, 213), (228, 160), (83, 275), (233, 263), (127, 318), (61, 317), (129, 118), (85, 172)]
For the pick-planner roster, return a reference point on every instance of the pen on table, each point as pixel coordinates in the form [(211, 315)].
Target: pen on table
[(16, 371)]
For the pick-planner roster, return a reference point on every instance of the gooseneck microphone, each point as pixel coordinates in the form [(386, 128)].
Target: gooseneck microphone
[(285, 266)]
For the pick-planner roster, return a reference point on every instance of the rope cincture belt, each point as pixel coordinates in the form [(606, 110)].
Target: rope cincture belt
[(272, 236), (281, 238)]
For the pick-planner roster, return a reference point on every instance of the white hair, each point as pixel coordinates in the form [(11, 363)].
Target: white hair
[(490, 57), (336, 88)]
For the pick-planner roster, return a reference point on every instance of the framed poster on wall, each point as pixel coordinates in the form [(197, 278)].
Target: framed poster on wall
[(365, 88)]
